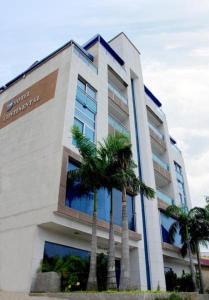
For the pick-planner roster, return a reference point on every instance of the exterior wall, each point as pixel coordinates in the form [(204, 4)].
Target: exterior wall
[(205, 273), (133, 66), (30, 160)]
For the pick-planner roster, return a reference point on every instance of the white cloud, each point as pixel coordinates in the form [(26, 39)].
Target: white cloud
[(202, 52)]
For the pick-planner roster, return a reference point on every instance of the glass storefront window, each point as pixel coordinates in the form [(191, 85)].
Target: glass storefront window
[(166, 223), (84, 203)]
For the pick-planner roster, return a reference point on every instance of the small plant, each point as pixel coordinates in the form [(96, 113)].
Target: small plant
[(73, 270), (171, 280), (172, 296), (175, 296)]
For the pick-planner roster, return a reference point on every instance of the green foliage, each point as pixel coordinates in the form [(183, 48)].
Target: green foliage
[(73, 271), (173, 296), (171, 280), (180, 284), (185, 283)]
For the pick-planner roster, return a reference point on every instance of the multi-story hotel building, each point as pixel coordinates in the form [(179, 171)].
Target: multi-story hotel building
[(99, 87)]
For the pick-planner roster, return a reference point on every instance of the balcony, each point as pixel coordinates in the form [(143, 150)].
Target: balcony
[(179, 177), (163, 200), (178, 151), (160, 162), (117, 93), (162, 173), (157, 139), (114, 126), (156, 131)]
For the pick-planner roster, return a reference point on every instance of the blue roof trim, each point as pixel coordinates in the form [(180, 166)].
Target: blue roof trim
[(99, 38), (172, 140), (38, 63), (154, 99)]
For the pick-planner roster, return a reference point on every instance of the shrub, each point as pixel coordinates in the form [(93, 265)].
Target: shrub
[(171, 280), (185, 283), (73, 270), (175, 296), (180, 284), (172, 296)]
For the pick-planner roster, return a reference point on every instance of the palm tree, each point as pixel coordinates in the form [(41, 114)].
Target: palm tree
[(117, 150), (89, 176), (199, 230), (182, 224)]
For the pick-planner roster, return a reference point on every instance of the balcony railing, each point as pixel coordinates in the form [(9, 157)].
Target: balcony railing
[(117, 93), (116, 125), (165, 198), (159, 161), (179, 177), (156, 131), (176, 149), (85, 59)]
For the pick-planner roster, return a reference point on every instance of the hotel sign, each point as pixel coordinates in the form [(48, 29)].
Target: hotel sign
[(31, 98)]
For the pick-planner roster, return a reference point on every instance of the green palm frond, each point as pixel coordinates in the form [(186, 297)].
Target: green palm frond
[(184, 249), (173, 231), (86, 148), (173, 211)]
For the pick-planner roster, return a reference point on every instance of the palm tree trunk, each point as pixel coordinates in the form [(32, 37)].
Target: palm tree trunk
[(125, 263), (202, 288), (92, 279), (191, 265), (111, 277)]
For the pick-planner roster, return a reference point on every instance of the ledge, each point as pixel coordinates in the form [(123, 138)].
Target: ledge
[(161, 171), (86, 219), (118, 102), (169, 247), (160, 142), (162, 205)]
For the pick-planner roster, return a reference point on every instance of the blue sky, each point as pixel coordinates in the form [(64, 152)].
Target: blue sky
[(172, 36)]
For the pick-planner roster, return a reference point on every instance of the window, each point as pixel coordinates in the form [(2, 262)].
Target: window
[(84, 203), (180, 184), (53, 250), (178, 168), (83, 85), (166, 223), (85, 109)]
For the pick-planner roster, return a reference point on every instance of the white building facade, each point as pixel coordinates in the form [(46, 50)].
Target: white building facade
[(99, 87)]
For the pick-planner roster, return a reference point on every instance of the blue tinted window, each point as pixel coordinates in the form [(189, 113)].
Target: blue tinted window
[(84, 118), (89, 133), (81, 85), (85, 109), (91, 92), (84, 203), (79, 124), (180, 183), (52, 249), (91, 105), (166, 223)]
